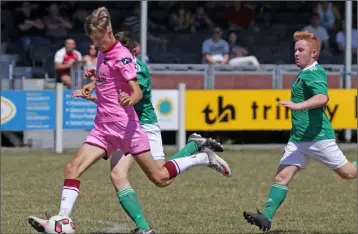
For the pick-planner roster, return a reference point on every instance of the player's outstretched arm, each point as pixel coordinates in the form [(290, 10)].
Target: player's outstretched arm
[(79, 94), (316, 101)]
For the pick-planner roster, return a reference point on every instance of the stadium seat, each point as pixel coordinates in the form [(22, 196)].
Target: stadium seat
[(3, 47), (37, 55), (9, 57), (58, 45), (22, 72), (5, 70), (38, 72), (48, 65), (82, 46)]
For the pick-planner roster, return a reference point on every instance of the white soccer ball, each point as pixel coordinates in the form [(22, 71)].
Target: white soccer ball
[(60, 225)]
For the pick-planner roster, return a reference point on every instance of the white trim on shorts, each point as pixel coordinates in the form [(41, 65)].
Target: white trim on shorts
[(326, 152)]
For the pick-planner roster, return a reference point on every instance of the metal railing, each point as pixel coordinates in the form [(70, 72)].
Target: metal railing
[(208, 71)]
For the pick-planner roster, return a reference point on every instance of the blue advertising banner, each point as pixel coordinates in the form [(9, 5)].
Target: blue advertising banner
[(78, 113), (28, 110)]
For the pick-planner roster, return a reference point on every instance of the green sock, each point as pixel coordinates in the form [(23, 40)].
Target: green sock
[(275, 198), (189, 149), (355, 163), (129, 201)]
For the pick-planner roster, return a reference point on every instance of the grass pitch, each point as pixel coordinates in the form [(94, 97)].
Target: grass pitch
[(199, 201)]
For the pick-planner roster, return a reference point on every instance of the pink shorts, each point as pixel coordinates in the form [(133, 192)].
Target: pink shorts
[(127, 136)]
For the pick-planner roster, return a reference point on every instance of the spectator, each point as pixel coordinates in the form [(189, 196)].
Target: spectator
[(237, 54), (73, 11), (181, 20), (340, 38), (320, 32), (57, 26), (201, 20), (215, 50), (30, 26), (90, 59), (167, 4), (132, 24), (64, 59), (329, 14), (240, 17)]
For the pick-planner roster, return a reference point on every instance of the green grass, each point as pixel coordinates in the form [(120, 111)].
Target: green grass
[(199, 201)]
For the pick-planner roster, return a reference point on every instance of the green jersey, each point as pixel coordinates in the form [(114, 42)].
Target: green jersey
[(144, 107), (312, 124)]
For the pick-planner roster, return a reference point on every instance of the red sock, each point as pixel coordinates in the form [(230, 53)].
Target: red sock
[(172, 168)]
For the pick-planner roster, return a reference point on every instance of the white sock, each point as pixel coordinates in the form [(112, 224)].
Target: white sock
[(69, 195), (201, 159), (183, 164)]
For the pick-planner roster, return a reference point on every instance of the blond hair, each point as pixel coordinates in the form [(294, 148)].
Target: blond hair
[(98, 22), (307, 36)]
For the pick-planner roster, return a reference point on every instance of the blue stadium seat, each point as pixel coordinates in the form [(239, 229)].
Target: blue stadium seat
[(20, 72), (49, 66), (39, 51), (3, 47), (9, 57), (4, 66)]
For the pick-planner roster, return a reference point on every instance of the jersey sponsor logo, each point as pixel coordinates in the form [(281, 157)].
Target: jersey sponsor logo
[(125, 60), (8, 110)]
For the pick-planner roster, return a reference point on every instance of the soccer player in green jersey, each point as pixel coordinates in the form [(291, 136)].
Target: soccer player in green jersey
[(120, 164), (312, 135)]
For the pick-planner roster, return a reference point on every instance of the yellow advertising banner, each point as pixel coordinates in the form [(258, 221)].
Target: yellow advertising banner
[(259, 109)]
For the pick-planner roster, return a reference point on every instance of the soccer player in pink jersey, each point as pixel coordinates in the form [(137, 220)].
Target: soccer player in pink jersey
[(116, 125)]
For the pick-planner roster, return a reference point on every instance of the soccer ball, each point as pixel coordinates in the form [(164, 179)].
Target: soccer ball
[(60, 225)]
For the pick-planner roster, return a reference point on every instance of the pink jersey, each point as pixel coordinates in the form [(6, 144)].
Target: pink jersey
[(114, 69)]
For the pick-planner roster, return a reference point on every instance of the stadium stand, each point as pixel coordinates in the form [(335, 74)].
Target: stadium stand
[(271, 43)]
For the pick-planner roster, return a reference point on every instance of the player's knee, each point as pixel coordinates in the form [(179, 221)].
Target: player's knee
[(119, 176), (349, 175), (282, 178), (285, 174), (347, 172), (71, 171)]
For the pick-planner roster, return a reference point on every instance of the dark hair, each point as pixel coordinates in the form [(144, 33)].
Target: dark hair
[(229, 33), (127, 39)]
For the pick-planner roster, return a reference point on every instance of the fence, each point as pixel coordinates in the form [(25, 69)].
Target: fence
[(178, 110), (204, 76), (167, 77)]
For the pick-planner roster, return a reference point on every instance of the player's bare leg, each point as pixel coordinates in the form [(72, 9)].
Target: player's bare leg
[(161, 175), (86, 156), (275, 198), (348, 171)]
